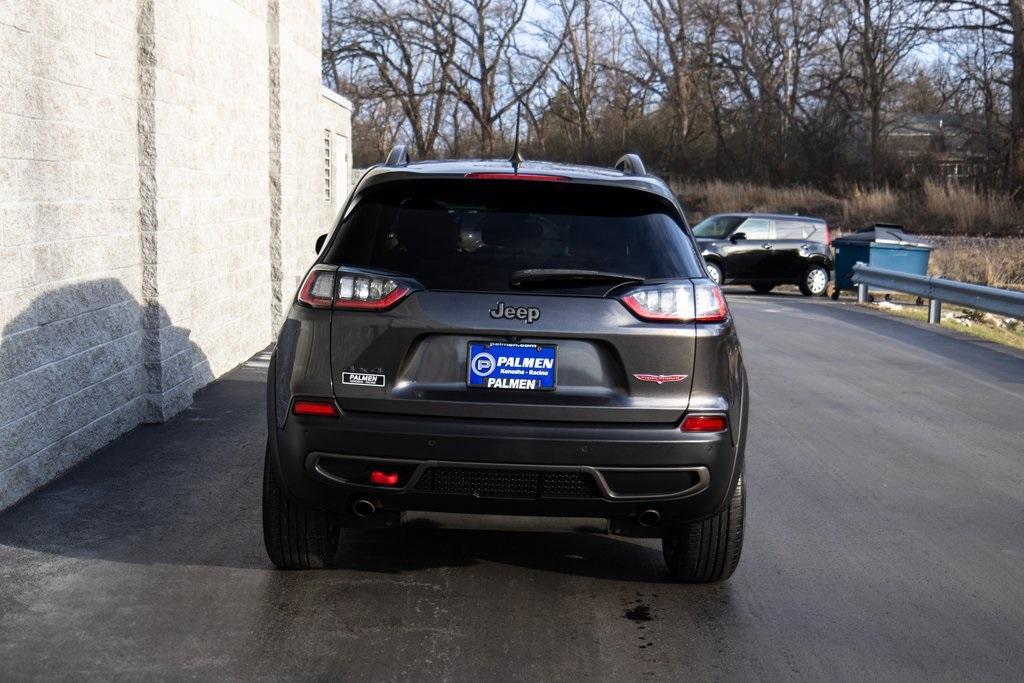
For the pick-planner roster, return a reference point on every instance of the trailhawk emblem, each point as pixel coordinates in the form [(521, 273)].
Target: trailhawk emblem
[(527, 313), (660, 379)]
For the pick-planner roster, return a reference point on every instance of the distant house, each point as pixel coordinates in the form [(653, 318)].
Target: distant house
[(946, 146)]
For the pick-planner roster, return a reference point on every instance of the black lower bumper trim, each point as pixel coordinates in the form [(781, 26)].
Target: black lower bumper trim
[(514, 481)]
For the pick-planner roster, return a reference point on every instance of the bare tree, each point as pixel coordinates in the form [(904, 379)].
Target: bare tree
[(1003, 18), (408, 50), (492, 72), (574, 35), (663, 33), (774, 90), (885, 33)]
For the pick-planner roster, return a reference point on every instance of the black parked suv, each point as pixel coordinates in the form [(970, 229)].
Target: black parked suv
[(766, 250), (477, 337)]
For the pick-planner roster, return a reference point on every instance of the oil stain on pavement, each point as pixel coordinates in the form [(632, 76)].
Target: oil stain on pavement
[(639, 612)]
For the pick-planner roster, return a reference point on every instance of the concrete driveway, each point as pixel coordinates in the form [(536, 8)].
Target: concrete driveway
[(885, 539)]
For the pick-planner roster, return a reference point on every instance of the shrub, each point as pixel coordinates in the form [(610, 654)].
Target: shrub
[(934, 209)]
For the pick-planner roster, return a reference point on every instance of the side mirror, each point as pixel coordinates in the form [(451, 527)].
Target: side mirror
[(320, 242), (737, 236)]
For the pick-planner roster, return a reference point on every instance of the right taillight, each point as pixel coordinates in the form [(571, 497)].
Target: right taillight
[(327, 287), (698, 301)]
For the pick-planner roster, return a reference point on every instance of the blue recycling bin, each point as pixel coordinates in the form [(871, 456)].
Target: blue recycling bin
[(881, 246)]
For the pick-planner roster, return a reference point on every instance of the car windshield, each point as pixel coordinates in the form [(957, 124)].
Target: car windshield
[(717, 226), (474, 235)]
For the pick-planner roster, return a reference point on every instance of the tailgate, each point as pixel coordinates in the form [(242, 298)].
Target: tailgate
[(414, 359)]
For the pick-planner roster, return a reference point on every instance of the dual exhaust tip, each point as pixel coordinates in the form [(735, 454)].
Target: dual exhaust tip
[(649, 517), (363, 508)]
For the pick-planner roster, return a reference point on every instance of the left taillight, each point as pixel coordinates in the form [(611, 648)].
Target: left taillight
[(357, 291), (699, 301), (327, 287)]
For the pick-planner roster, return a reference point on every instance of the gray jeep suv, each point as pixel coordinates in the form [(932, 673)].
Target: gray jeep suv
[(534, 339)]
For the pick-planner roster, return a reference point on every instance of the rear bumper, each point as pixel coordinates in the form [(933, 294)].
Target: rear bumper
[(507, 467)]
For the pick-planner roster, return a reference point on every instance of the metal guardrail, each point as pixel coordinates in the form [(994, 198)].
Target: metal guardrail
[(939, 290)]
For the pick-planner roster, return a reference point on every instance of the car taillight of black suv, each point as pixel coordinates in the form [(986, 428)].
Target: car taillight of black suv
[(476, 337), (767, 250)]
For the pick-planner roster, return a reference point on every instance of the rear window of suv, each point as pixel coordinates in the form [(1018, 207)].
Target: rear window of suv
[(472, 235), (799, 230)]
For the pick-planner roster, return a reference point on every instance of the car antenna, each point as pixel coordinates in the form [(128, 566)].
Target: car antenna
[(516, 157)]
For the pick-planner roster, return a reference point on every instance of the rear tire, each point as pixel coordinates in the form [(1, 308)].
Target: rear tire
[(814, 281), (714, 272), (762, 288), (708, 550), (295, 536)]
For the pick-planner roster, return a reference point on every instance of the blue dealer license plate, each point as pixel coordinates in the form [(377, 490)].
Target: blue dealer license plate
[(501, 365)]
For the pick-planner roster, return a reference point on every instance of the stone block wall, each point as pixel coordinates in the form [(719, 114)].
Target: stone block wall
[(143, 233)]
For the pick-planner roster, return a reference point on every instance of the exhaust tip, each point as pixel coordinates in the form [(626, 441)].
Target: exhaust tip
[(363, 508), (649, 518)]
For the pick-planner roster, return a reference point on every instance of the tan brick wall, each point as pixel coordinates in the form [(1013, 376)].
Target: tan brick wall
[(71, 373), (212, 109), (137, 260)]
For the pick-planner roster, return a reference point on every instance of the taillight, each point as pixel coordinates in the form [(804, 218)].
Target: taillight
[(368, 292), (326, 287), (699, 301), (315, 408), (704, 423), (709, 303), (828, 236), (318, 289)]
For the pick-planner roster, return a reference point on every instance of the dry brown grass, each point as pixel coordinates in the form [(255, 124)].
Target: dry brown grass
[(716, 196), (957, 210), (995, 261), (863, 207), (958, 221), (935, 209)]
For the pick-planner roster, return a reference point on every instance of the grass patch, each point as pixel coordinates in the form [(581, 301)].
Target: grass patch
[(988, 332), (934, 209), (978, 236), (995, 261)]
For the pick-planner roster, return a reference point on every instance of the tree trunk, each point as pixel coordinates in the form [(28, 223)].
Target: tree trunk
[(1017, 100), (875, 150), (486, 141)]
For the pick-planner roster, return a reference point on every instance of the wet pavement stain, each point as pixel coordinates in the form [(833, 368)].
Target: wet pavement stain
[(639, 613)]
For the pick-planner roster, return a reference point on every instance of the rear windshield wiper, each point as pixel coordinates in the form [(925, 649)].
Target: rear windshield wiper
[(538, 278)]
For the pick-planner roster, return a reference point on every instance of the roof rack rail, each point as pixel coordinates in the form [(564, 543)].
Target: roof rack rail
[(630, 164), (398, 156)]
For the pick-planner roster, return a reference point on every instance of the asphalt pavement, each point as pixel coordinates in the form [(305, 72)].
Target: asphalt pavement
[(885, 539)]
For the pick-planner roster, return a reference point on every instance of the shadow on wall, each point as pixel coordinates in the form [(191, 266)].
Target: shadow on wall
[(79, 366)]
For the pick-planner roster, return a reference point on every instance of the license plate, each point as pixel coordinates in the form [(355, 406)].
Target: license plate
[(520, 367)]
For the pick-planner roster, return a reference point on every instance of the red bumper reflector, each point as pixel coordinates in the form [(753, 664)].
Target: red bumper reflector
[(384, 478), (704, 423), (318, 408)]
